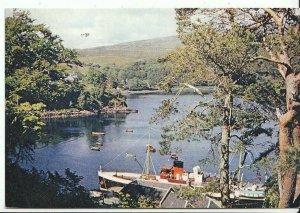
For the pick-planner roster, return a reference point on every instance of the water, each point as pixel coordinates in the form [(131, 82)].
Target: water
[(69, 142)]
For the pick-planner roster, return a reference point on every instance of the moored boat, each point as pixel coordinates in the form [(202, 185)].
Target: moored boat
[(174, 156), (99, 143), (130, 155), (95, 148), (168, 177), (98, 133)]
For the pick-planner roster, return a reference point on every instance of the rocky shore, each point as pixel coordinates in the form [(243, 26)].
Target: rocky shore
[(84, 113)]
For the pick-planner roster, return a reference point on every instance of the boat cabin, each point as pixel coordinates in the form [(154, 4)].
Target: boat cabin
[(173, 173)]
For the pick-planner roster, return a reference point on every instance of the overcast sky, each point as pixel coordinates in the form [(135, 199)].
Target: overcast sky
[(105, 26)]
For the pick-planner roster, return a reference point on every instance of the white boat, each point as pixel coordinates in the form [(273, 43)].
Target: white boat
[(174, 156), (130, 155), (98, 133), (99, 143), (168, 177), (95, 148)]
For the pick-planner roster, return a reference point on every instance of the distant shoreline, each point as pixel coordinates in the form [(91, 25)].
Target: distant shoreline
[(203, 89), (110, 110), (85, 113), (141, 92)]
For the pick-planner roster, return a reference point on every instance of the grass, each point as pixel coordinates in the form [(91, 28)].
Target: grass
[(130, 52)]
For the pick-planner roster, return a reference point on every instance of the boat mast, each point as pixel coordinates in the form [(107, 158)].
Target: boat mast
[(148, 160)]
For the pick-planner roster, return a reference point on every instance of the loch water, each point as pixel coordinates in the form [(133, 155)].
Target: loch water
[(68, 143)]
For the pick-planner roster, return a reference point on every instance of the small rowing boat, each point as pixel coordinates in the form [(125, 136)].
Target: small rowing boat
[(98, 133), (174, 156), (95, 148), (130, 155), (99, 143)]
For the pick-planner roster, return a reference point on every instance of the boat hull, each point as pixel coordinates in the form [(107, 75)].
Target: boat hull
[(108, 180)]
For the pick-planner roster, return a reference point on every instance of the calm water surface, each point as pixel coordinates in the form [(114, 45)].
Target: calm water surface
[(70, 139)]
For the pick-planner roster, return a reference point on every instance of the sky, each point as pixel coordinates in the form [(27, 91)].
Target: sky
[(105, 26)]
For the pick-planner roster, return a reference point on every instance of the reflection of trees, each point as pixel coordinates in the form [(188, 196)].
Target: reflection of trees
[(58, 130)]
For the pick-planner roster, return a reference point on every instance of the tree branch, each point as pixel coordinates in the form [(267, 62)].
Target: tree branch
[(275, 17), (286, 118), (265, 153), (238, 137), (273, 61), (194, 88)]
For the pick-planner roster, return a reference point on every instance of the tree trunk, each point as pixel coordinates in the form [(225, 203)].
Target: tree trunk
[(287, 178), (224, 164), (239, 174), (288, 137), (296, 140), (224, 167)]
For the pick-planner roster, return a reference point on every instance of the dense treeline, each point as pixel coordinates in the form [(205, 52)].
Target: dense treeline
[(145, 74)]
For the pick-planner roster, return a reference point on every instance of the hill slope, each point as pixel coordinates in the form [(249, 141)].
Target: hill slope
[(129, 52)]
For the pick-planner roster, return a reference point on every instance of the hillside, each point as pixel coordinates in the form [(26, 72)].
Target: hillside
[(129, 52)]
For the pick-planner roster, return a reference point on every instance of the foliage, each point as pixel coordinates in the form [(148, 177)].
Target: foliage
[(33, 46), (144, 202), (99, 91), (36, 64), (38, 189), (292, 160), (23, 128), (197, 195), (217, 59), (142, 74), (271, 193), (126, 201)]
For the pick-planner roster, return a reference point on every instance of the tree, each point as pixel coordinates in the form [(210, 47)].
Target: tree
[(23, 128), (221, 55), (92, 96), (38, 189), (276, 34), (99, 91), (33, 46), (36, 64)]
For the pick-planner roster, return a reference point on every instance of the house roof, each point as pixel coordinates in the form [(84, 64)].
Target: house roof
[(204, 203), (136, 190), (170, 200)]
